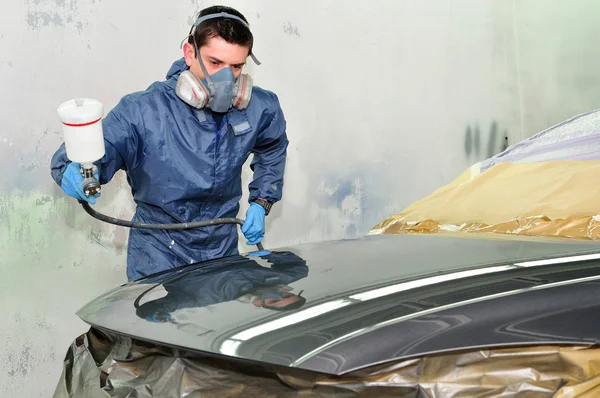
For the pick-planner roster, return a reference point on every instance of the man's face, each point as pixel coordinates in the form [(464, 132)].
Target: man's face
[(287, 299), (216, 54)]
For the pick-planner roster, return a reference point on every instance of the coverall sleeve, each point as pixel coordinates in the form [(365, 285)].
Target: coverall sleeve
[(268, 163), (122, 142)]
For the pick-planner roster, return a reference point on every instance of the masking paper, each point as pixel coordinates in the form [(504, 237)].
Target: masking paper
[(557, 199)]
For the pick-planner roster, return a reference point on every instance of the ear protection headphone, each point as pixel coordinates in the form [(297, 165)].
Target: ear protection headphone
[(220, 91)]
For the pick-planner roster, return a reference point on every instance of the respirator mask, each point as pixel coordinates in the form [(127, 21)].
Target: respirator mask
[(220, 91)]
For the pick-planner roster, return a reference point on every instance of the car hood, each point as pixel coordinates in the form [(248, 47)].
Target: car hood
[(337, 306)]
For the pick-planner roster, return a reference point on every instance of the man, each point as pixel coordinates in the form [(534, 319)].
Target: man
[(243, 279), (183, 142)]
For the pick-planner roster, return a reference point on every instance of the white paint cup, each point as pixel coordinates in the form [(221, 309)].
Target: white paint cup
[(82, 130)]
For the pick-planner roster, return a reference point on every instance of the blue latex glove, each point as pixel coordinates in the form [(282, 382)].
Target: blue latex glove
[(259, 253), (254, 225), (72, 181)]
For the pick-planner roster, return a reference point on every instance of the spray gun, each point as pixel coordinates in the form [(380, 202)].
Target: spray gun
[(84, 138), (84, 144)]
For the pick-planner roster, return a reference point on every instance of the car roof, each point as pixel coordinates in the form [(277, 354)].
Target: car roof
[(365, 299)]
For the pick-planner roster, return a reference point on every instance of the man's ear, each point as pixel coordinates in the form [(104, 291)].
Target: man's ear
[(189, 53)]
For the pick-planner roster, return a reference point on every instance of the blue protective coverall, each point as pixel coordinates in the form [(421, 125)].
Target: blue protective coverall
[(182, 167), (216, 283)]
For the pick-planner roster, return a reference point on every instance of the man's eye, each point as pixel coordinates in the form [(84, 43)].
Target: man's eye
[(214, 62)]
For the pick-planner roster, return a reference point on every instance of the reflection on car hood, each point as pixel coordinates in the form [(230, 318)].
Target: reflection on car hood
[(337, 306)]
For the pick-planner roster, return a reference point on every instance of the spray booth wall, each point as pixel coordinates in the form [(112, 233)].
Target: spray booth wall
[(385, 101)]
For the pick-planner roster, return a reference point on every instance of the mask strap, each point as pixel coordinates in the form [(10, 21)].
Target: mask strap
[(211, 86), (219, 15), (256, 61)]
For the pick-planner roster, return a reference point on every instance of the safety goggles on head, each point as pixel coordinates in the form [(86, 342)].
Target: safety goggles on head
[(219, 91)]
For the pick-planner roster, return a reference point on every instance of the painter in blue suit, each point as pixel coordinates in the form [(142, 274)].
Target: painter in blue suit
[(182, 143), (241, 278)]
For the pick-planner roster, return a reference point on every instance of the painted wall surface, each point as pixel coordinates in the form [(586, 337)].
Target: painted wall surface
[(385, 101), (554, 73)]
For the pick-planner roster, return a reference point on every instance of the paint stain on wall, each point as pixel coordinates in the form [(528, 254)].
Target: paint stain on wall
[(28, 220), (33, 253), (290, 30), (23, 359), (199, 4), (43, 200), (191, 19), (38, 159), (480, 146), (55, 13), (350, 200), (36, 19), (343, 200)]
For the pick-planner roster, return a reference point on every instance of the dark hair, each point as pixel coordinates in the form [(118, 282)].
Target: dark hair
[(229, 29)]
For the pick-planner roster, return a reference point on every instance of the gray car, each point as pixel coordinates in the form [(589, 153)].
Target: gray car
[(410, 315)]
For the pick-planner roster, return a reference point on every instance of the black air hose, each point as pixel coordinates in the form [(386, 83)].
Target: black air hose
[(186, 225)]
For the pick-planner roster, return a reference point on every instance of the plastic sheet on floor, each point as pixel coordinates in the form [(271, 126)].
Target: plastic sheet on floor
[(101, 364), (550, 371)]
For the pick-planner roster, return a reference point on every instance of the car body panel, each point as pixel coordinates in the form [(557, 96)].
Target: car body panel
[(368, 301)]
